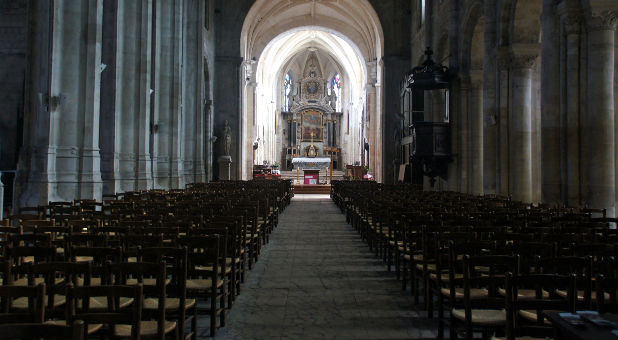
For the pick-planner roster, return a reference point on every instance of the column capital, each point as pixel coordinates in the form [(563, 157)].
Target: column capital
[(372, 73), (604, 20), (249, 69), (524, 55), (523, 61)]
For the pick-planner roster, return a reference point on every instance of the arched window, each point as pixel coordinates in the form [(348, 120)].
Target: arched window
[(336, 92), (287, 92)]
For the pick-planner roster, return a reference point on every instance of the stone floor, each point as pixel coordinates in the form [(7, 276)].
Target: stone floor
[(317, 280)]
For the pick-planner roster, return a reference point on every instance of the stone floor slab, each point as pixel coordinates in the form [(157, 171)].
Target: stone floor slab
[(317, 280)]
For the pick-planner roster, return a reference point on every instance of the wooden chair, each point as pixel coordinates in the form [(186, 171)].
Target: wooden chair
[(204, 277), (178, 306), (32, 311), (33, 331), (153, 324), (606, 289), (525, 317), (482, 314), (581, 267), (117, 320)]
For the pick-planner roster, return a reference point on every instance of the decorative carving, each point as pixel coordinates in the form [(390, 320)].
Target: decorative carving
[(372, 72), (603, 21), (249, 69), (312, 67)]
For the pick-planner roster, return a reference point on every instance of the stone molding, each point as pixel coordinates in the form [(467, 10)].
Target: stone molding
[(603, 20), (523, 61)]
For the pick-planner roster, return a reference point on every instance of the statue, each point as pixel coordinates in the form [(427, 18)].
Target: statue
[(333, 99), (227, 138)]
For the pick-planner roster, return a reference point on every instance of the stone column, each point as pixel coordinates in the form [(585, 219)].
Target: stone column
[(144, 95), (133, 93), (520, 128), (91, 184), (62, 107), (108, 114), (1, 197), (502, 146), (490, 103), (373, 125), (190, 96), (167, 101), (475, 118), (572, 27), (599, 121), (460, 134), (35, 172), (248, 126), (550, 107)]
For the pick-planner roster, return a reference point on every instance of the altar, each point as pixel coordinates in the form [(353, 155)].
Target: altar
[(311, 168)]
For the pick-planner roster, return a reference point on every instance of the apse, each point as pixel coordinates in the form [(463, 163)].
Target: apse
[(336, 78)]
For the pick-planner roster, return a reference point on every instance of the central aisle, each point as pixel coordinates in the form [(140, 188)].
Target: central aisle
[(316, 279)]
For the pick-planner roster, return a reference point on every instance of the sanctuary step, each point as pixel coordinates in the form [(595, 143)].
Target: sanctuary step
[(291, 175), (311, 189)]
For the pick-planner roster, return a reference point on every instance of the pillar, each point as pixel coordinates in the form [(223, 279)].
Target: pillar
[(60, 158), (551, 175), (133, 95), (572, 28), (599, 121), (520, 128), (490, 102), (475, 145), (91, 184), (248, 119)]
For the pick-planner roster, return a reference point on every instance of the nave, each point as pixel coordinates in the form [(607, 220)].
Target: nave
[(316, 279)]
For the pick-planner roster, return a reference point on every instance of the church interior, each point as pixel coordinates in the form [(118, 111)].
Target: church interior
[(350, 169)]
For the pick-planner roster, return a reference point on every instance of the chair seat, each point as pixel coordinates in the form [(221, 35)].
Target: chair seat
[(24, 281), (202, 284), (487, 317), (430, 267), (475, 293), (531, 315), (91, 327), (445, 276), (170, 303), (148, 328), (581, 293), (22, 302), (100, 302), (148, 281), (228, 268), (83, 258), (94, 281), (525, 294)]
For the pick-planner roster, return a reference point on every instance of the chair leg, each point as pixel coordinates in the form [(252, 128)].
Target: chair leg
[(440, 316)]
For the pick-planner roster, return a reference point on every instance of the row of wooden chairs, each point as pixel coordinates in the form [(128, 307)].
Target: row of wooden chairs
[(427, 236), (220, 241)]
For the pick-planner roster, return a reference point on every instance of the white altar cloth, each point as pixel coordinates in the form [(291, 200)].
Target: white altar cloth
[(306, 163)]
